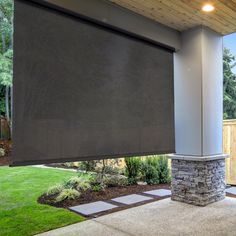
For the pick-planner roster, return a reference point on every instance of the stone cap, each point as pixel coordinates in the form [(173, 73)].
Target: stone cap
[(198, 158)]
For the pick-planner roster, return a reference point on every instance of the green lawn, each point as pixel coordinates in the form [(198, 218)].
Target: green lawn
[(20, 214)]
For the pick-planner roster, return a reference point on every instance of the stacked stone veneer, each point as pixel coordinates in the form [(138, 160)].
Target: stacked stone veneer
[(198, 182)]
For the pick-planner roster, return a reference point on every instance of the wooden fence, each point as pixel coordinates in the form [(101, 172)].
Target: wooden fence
[(229, 147)]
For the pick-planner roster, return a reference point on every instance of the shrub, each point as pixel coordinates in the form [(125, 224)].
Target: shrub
[(78, 183), (100, 181), (97, 183), (88, 165), (86, 176), (115, 180), (55, 189), (72, 182), (69, 194), (155, 170), (149, 172), (132, 169), (97, 187), (163, 170), (83, 186)]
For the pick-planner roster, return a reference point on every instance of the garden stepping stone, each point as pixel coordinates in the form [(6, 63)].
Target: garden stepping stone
[(231, 190), (92, 208), (159, 192), (131, 199)]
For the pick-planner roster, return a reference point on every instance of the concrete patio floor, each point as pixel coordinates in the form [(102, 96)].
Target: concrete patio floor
[(159, 218)]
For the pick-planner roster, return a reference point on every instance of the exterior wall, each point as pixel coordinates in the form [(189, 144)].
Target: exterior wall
[(198, 93), (198, 182)]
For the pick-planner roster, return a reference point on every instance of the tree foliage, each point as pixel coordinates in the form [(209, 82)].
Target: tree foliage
[(6, 59), (229, 85), (6, 68), (6, 16)]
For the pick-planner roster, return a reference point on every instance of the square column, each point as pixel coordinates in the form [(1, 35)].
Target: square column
[(198, 167), (198, 180)]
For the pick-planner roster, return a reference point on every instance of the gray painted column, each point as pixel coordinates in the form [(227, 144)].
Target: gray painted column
[(198, 167)]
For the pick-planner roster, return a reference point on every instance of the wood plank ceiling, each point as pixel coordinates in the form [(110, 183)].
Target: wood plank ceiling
[(185, 14)]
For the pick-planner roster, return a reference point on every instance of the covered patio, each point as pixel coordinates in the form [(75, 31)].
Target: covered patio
[(162, 218), (161, 57), (179, 75)]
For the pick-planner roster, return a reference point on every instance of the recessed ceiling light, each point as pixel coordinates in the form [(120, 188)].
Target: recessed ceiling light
[(208, 8)]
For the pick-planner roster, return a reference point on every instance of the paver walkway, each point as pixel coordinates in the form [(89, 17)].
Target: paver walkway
[(92, 208), (162, 218), (231, 190), (159, 192), (102, 206), (131, 199)]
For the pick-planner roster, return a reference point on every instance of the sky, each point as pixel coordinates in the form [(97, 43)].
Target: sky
[(230, 42)]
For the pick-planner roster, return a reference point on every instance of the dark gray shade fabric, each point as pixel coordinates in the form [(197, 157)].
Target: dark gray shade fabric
[(83, 92)]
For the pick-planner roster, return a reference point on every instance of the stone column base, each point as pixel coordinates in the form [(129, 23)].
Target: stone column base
[(198, 180)]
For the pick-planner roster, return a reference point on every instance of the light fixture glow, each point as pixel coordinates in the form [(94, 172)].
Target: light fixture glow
[(208, 8)]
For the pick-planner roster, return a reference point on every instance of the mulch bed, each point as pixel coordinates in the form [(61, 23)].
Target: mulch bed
[(230, 195), (7, 146), (108, 194), (104, 195), (4, 161)]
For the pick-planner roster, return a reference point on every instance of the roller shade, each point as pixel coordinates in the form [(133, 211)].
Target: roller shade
[(83, 91)]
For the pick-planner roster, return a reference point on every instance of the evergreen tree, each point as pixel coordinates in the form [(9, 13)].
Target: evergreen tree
[(6, 58), (229, 85)]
